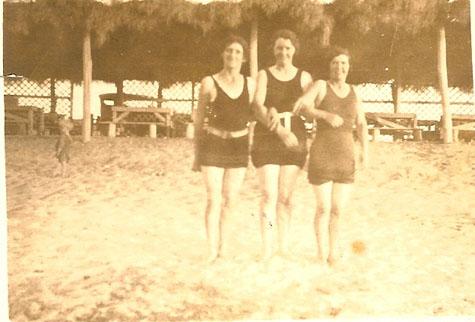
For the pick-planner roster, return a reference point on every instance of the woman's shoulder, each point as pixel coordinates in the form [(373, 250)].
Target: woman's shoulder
[(263, 71), (250, 81), (207, 82), (320, 83)]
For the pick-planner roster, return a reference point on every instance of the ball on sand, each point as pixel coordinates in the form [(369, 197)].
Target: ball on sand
[(358, 247)]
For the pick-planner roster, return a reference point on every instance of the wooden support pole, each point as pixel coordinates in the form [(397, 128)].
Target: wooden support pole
[(447, 133), (253, 51), (87, 80), (53, 95)]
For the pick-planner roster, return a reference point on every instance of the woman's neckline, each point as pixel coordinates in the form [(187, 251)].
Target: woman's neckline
[(227, 94), (336, 94), (296, 71)]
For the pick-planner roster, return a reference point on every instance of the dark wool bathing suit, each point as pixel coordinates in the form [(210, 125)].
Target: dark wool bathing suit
[(332, 155), (227, 114), (268, 148)]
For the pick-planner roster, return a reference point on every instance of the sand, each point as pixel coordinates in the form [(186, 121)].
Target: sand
[(123, 238)]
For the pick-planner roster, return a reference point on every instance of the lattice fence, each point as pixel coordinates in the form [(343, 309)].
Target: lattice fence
[(183, 97), (41, 94), (425, 103), (180, 97)]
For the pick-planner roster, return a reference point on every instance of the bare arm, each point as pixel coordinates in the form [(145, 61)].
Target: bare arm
[(251, 88), (361, 131), (306, 81), (268, 115), (307, 105), (260, 111), (204, 99)]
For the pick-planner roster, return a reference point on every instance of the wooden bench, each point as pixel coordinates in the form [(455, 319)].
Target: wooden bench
[(393, 123), (155, 117), (29, 119), (463, 126)]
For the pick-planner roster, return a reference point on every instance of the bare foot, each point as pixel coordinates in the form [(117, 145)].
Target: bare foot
[(320, 259), (212, 258)]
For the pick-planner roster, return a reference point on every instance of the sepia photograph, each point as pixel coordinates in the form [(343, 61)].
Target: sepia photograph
[(240, 160)]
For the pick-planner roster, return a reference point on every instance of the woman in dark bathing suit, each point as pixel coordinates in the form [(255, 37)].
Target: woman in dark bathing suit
[(222, 145), (279, 149), (332, 166)]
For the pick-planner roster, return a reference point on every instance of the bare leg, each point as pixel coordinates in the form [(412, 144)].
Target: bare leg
[(323, 195), (213, 178), (340, 196), (269, 180), (287, 179), (233, 179)]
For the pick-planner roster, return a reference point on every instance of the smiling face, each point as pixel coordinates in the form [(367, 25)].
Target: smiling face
[(339, 67), (284, 50), (233, 55)]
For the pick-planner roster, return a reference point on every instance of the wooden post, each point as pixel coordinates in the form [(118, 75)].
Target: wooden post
[(153, 130), (444, 87), (120, 93), (396, 90), (112, 130), (192, 98), (376, 135), (31, 121), (87, 76), (71, 96), (160, 95), (253, 65), (253, 52), (53, 95)]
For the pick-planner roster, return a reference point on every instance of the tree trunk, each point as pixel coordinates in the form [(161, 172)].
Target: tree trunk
[(253, 54), (447, 132), (87, 77)]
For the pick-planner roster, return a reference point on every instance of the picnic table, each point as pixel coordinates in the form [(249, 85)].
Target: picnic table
[(463, 126), (393, 124), (29, 119), (120, 113)]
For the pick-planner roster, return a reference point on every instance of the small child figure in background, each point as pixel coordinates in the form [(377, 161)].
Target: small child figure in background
[(63, 145)]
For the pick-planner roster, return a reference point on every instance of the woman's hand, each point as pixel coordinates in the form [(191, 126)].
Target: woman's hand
[(287, 137), (273, 119), (303, 104)]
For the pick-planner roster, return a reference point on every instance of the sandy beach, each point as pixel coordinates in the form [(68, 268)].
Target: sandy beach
[(123, 238)]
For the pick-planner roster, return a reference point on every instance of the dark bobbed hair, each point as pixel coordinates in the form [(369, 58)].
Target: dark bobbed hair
[(335, 51), (286, 34), (231, 39)]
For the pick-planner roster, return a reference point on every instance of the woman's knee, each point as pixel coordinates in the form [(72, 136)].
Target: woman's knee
[(285, 199), (268, 197), (322, 210), (336, 211), (214, 200), (229, 200)]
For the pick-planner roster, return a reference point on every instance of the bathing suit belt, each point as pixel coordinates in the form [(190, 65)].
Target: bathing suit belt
[(226, 134)]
